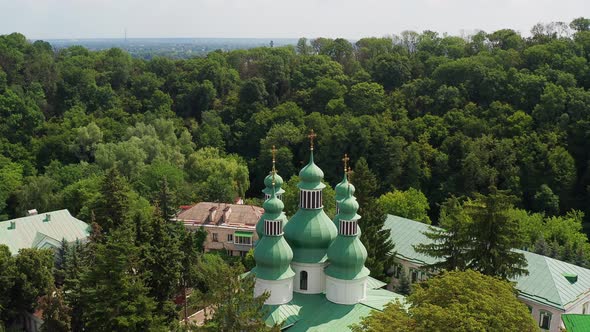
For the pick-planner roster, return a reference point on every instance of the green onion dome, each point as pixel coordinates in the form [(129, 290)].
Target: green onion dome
[(342, 189), (273, 258), (272, 253), (273, 210), (268, 185), (311, 176), (310, 231), (347, 254)]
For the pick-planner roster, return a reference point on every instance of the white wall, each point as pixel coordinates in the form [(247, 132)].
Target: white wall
[(281, 291), (556, 323), (346, 291), (316, 278)]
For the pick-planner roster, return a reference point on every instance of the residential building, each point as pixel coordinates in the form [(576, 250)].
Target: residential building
[(551, 288), (230, 227), (43, 231), (312, 266)]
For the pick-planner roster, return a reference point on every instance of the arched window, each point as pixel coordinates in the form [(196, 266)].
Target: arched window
[(303, 280)]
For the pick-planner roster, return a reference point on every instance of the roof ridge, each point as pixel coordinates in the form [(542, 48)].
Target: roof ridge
[(553, 281)]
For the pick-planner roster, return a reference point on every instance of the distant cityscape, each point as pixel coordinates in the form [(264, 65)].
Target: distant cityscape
[(179, 48)]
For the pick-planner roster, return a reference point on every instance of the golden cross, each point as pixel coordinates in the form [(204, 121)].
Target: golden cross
[(345, 160), (311, 136)]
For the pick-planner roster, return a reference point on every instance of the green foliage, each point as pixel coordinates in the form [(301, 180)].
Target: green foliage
[(478, 234), (411, 204), (446, 302), (377, 240), (113, 293), (231, 297)]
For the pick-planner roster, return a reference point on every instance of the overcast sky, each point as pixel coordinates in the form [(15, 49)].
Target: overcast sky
[(45, 19)]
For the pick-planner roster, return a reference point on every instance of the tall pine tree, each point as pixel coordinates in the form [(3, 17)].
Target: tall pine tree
[(377, 240), (114, 294)]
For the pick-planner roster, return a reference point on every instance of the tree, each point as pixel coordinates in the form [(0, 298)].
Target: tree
[(494, 234), (404, 287), (377, 240), (56, 314), (231, 297), (446, 302), (113, 291), (34, 278), (546, 201), (451, 242), (411, 204), (580, 24), (112, 205)]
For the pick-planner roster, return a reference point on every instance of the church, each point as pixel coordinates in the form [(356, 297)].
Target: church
[(314, 267)]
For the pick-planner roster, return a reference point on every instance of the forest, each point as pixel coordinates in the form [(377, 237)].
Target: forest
[(428, 117)]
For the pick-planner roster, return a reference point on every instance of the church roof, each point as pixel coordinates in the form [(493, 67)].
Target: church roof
[(550, 281), (42, 230), (313, 312)]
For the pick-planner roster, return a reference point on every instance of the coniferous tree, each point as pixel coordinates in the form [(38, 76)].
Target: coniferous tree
[(163, 266), (494, 235), (113, 203), (76, 263), (377, 240), (56, 314), (113, 291), (404, 287), (232, 298), (449, 243), (166, 201)]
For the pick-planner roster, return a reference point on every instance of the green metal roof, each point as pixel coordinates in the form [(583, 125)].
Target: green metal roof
[(576, 322), (33, 232), (309, 233), (313, 312), (406, 233), (273, 258), (547, 282), (268, 184), (343, 188), (311, 176), (243, 234)]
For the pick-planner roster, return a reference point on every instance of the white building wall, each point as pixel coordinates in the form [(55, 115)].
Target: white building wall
[(316, 278), (281, 291), (346, 291), (556, 323)]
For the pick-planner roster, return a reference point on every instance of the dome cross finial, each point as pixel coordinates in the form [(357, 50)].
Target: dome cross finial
[(312, 135), (345, 160)]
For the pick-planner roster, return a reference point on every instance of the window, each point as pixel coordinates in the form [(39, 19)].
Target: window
[(230, 238), (242, 240), (214, 236), (544, 320), (530, 308), (413, 275), (397, 270), (303, 280), (585, 308)]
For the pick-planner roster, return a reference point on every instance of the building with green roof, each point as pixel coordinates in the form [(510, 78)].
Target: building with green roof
[(43, 231), (316, 274), (552, 287)]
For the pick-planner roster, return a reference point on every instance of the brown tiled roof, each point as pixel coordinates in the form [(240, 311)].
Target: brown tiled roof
[(246, 215)]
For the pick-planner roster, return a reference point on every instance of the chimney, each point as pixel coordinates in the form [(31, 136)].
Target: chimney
[(12, 225), (47, 218), (32, 212), (226, 213), (212, 213)]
